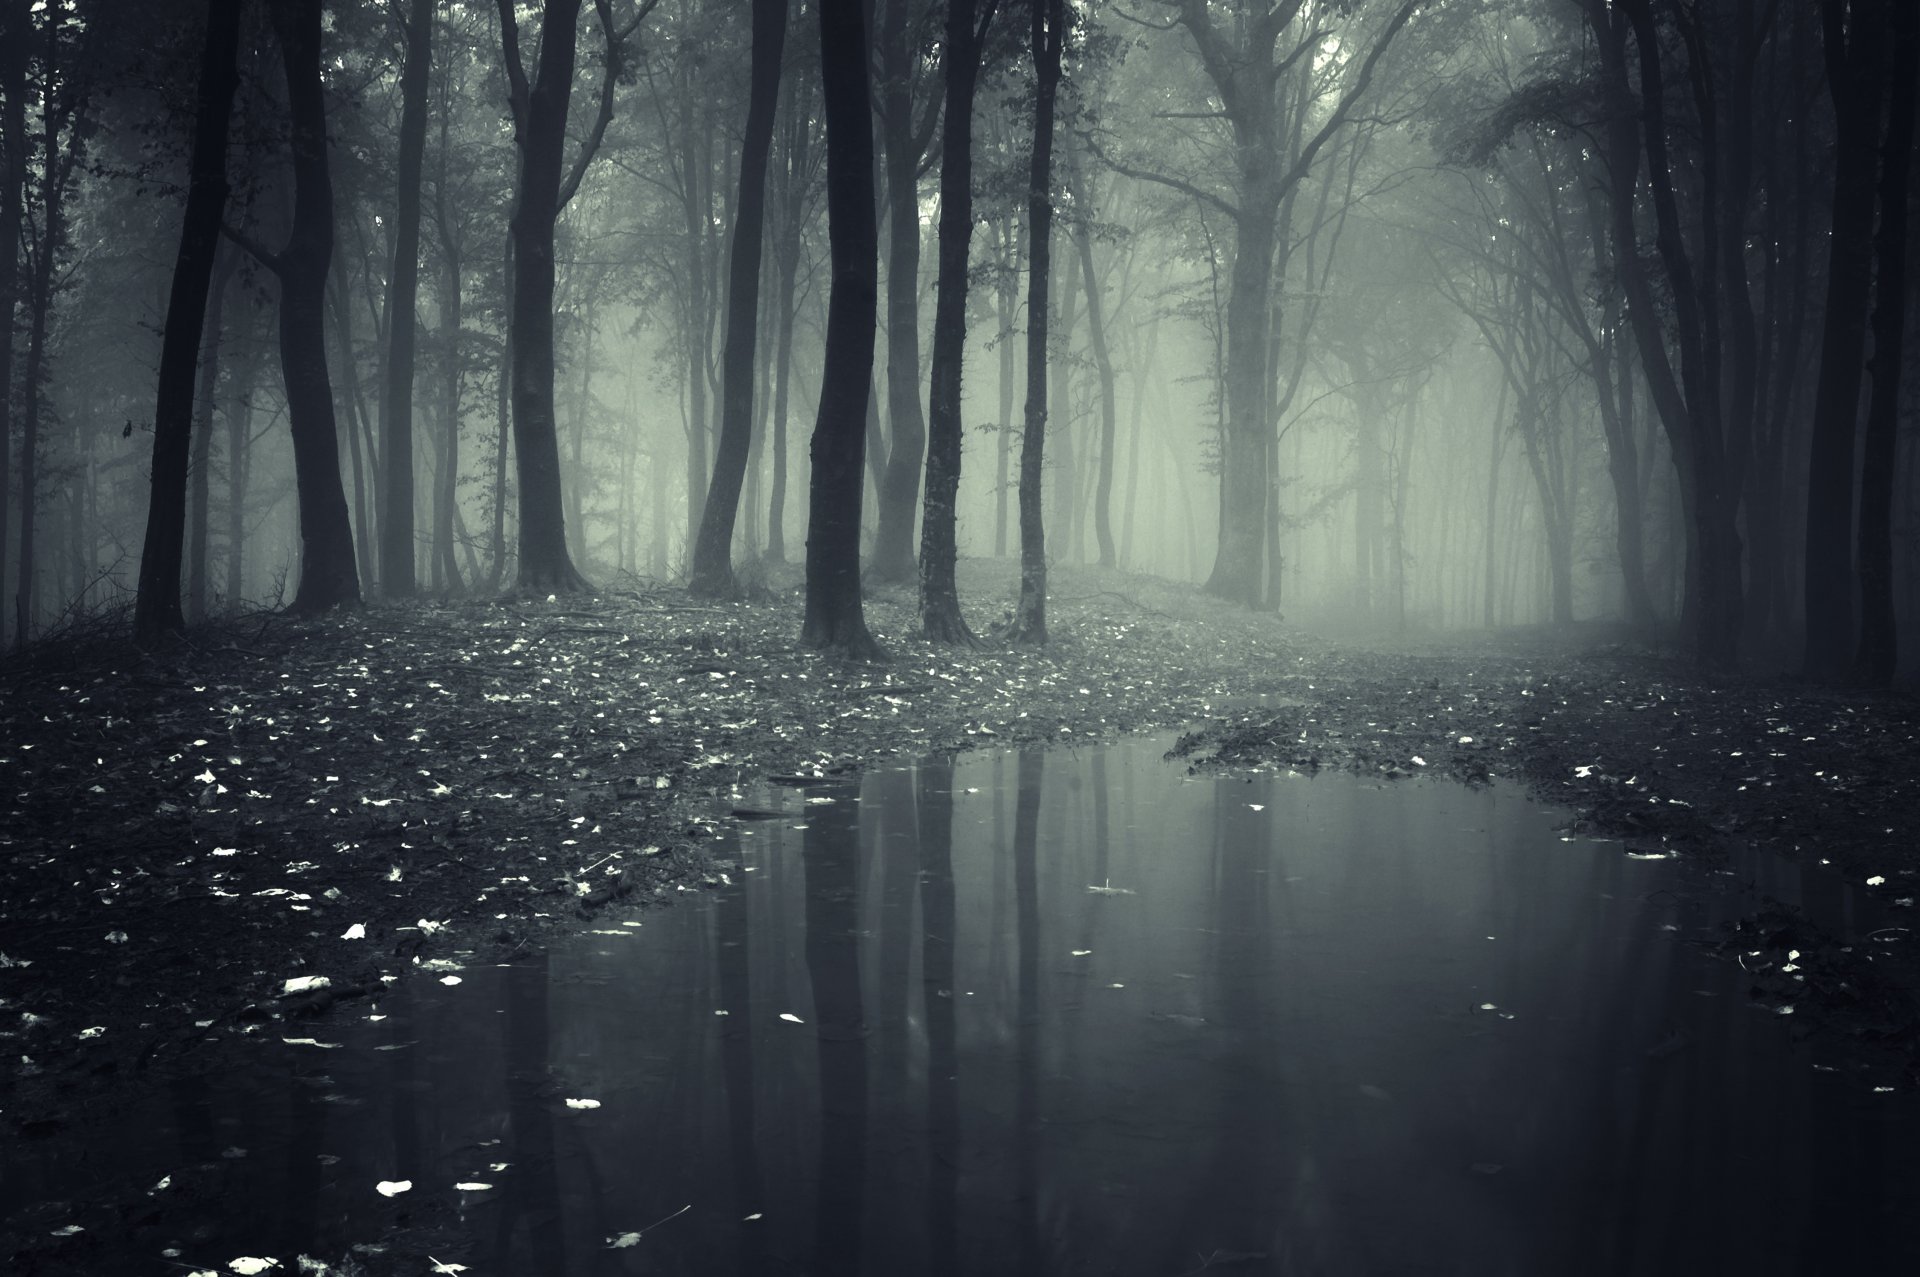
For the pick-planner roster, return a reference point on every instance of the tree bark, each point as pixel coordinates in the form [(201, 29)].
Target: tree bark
[(15, 28), (712, 571), (940, 615), (1855, 81), (893, 559), (328, 575), (1109, 411), (1046, 45), (396, 524), (199, 473), (834, 617), (540, 129), (156, 608), (1879, 638)]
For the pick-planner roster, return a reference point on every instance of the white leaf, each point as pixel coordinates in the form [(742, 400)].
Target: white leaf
[(1081, 953), (358, 931), (623, 1241), (305, 984), (791, 1018), (449, 979), (470, 1186), (116, 937), (67, 1231), (1419, 761), (248, 1264), (392, 1187), (440, 1267), (94, 1032), (324, 1046), (583, 1104), (1876, 880)]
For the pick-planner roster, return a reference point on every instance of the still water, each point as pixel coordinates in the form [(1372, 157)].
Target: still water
[(1074, 1013)]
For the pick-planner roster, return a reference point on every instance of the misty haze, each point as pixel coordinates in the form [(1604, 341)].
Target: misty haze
[(959, 637)]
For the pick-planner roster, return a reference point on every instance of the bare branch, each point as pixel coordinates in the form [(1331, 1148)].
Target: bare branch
[(1162, 179)]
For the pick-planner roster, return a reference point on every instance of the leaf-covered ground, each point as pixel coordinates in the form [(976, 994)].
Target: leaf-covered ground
[(232, 835)]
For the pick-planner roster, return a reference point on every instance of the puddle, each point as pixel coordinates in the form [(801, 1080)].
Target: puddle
[(1066, 1014)]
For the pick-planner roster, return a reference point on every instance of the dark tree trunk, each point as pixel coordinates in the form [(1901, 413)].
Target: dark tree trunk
[(156, 608), (712, 571), (1855, 80), (940, 616), (541, 133), (15, 25), (328, 576), (239, 415), (900, 483), (1006, 298), (200, 475), (1047, 44), (777, 419), (396, 523), (1109, 411), (1879, 638), (446, 497), (794, 172), (834, 617)]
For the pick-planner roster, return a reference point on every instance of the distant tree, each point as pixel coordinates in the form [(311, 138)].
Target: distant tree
[(396, 529), (156, 609), (328, 573), (901, 40), (834, 616), (712, 570), (940, 616), (1046, 45), (540, 132), (16, 26)]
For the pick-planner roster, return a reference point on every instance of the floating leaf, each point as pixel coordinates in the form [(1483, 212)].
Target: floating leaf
[(583, 1104), (791, 1018), (392, 1187), (246, 1265)]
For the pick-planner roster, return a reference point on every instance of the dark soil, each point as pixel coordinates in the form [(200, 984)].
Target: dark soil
[(188, 831)]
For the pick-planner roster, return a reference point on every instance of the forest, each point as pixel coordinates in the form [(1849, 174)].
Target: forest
[(857, 637), (1415, 316)]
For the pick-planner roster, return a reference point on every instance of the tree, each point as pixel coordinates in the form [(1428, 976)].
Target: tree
[(940, 616), (328, 573), (1242, 60), (1047, 44), (156, 608), (712, 570), (396, 528), (539, 109), (834, 617), (906, 142), (16, 25), (1879, 638)]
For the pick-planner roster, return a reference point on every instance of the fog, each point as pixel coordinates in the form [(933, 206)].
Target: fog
[(1388, 317)]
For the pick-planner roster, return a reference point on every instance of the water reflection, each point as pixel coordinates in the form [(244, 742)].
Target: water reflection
[(1076, 1014)]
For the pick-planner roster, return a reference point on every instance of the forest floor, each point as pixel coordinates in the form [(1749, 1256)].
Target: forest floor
[(190, 837)]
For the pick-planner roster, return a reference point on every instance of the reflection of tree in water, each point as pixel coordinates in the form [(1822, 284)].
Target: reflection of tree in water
[(831, 854), (735, 959), (935, 825), (1239, 1200), (1026, 831), (530, 1235)]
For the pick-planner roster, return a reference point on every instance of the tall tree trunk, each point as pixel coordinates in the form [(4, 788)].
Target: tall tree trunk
[(156, 608), (239, 413), (16, 25), (834, 616), (712, 569), (697, 210), (396, 524), (446, 497), (328, 576), (1006, 298), (540, 130), (351, 409), (1109, 411), (893, 558), (1046, 45), (1879, 637), (199, 472), (1853, 52), (503, 433), (940, 616)]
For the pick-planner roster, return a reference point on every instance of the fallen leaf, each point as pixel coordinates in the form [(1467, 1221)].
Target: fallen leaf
[(392, 1187)]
